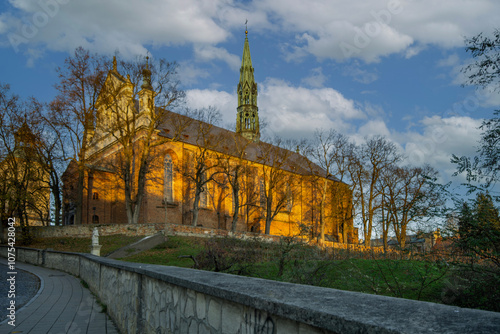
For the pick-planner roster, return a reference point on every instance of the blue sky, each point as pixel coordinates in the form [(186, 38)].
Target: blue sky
[(364, 67)]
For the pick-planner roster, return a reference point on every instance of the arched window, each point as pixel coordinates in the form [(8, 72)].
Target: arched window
[(95, 195), (168, 181), (95, 219)]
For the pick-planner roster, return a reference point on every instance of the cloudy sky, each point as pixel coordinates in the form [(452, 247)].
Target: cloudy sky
[(363, 67)]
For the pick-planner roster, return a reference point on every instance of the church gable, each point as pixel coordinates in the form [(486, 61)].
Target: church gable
[(115, 104)]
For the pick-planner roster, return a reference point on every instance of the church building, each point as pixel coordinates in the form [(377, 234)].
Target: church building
[(199, 174)]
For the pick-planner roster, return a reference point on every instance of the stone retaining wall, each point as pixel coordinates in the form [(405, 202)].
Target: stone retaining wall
[(144, 298), (81, 231)]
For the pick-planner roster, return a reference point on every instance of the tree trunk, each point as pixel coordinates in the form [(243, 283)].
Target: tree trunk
[(196, 207), (79, 195), (56, 193), (269, 203), (236, 210), (322, 221)]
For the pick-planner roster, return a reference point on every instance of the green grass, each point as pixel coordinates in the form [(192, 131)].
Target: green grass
[(419, 279), (410, 279), (395, 278), (302, 264), (168, 252)]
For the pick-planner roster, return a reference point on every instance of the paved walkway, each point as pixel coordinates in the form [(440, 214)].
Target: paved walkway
[(62, 305)]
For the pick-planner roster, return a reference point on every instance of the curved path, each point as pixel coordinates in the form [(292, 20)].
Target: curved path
[(62, 305), (27, 286)]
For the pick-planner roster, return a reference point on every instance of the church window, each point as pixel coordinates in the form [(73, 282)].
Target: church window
[(95, 195), (168, 181), (95, 219)]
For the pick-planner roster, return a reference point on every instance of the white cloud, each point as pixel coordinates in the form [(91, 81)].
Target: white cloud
[(225, 103), (208, 53), (298, 111), (3, 23), (105, 26), (190, 74), (289, 111), (358, 74), (439, 138), (451, 61), (316, 79), (376, 127), (413, 51), (372, 29), (366, 30)]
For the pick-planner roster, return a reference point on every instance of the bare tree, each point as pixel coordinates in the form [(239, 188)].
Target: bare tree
[(277, 185), (331, 151), (24, 191), (387, 187), (73, 109), (410, 196), (234, 168), (200, 168), (132, 115), (50, 154), (365, 168)]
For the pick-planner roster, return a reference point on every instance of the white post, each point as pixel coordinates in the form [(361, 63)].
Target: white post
[(95, 248)]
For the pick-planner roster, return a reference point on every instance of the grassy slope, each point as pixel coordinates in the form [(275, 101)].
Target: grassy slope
[(403, 278), (413, 279), (398, 278)]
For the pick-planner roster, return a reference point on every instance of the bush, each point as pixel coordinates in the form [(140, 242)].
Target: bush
[(476, 288), (227, 255)]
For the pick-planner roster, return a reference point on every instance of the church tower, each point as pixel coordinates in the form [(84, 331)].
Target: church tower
[(247, 118), (146, 94)]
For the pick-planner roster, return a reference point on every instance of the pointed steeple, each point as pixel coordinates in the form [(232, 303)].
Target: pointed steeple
[(146, 94), (146, 76), (24, 140), (247, 118)]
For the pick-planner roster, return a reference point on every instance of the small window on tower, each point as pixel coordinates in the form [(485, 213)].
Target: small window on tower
[(95, 196)]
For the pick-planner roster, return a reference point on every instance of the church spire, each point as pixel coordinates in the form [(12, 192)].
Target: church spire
[(247, 118), (146, 94), (146, 76)]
